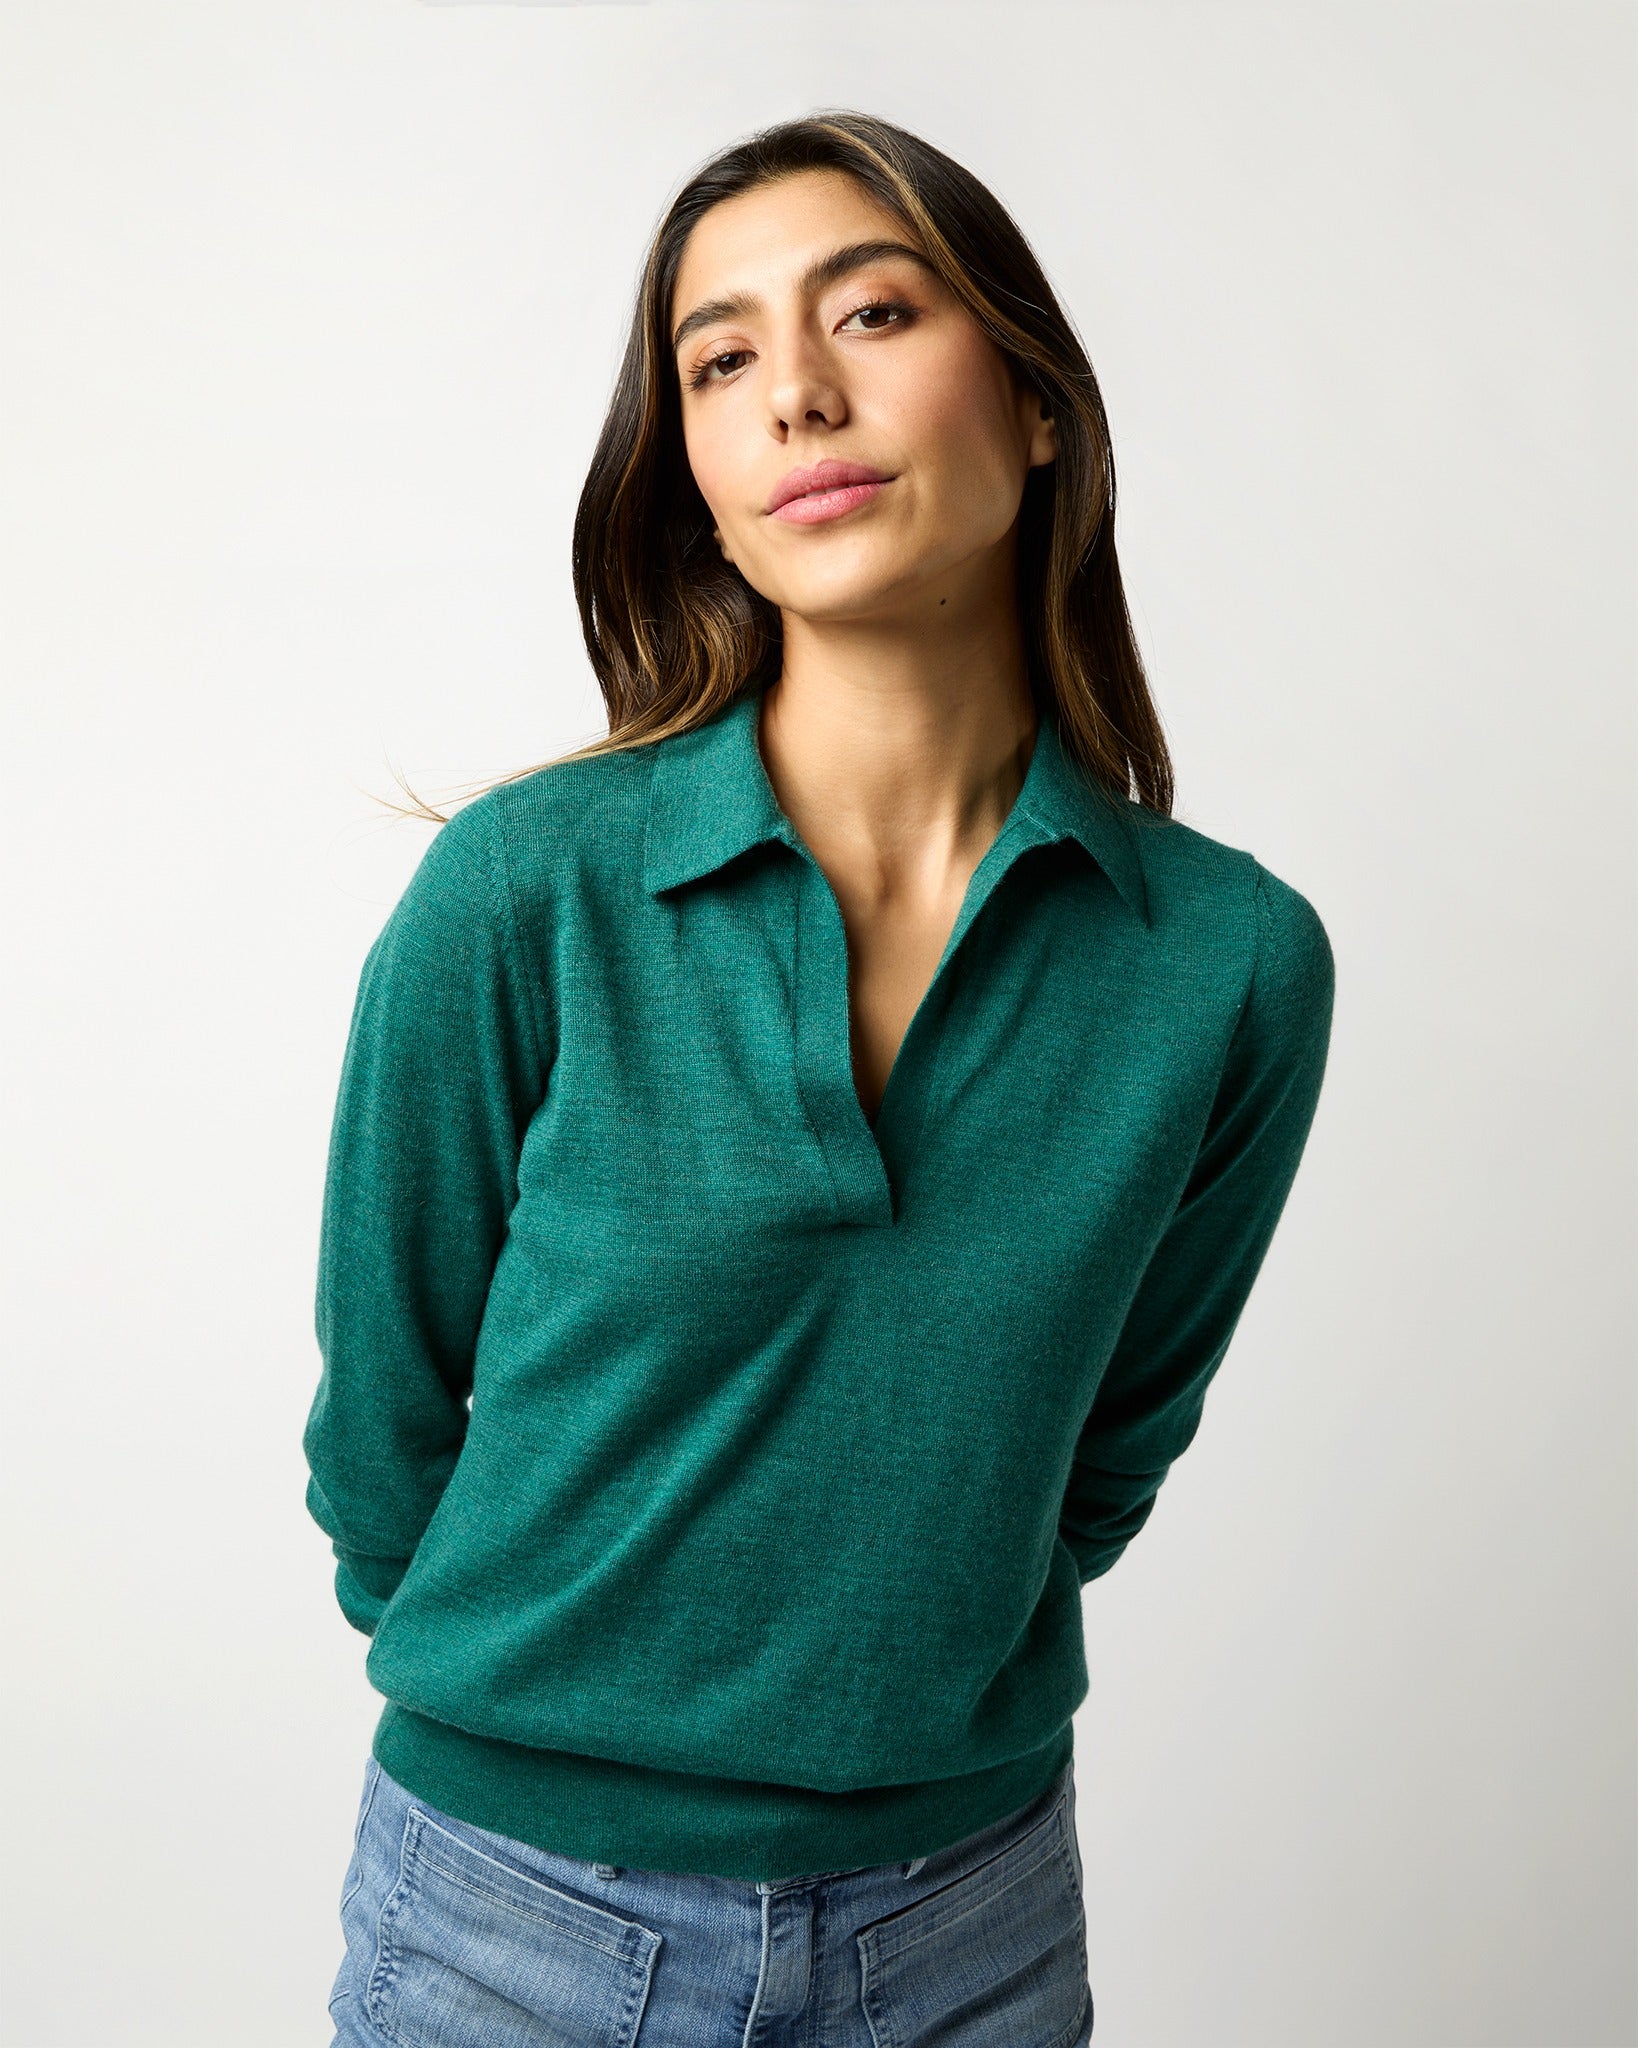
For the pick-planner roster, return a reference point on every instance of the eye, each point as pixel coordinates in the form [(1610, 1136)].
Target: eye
[(904, 312), (702, 372), (903, 315)]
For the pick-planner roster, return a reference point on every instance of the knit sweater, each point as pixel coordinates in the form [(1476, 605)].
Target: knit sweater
[(717, 1470)]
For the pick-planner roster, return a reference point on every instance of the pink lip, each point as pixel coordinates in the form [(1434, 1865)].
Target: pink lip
[(824, 490), (821, 505)]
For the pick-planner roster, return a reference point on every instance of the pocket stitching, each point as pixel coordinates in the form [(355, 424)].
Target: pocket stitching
[(384, 1975), (880, 1938), (384, 1969), (636, 1943), (873, 1955)]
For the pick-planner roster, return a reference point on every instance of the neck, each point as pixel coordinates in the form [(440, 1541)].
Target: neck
[(898, 744)]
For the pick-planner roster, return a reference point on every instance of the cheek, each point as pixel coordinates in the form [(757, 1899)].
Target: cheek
[(961, 439), (709, 461)]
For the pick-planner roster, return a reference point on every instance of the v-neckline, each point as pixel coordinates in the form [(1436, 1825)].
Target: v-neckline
[(966, 910), (871, 1157)]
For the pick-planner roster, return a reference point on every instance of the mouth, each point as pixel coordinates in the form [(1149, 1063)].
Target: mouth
[(815, 506), (825, 490)]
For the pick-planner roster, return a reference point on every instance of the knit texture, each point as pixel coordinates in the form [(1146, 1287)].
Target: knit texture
[(715, 1472)]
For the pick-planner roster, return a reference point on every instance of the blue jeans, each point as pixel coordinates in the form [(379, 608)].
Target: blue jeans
[(459, 1938)]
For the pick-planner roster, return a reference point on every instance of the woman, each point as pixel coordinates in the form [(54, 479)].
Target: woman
[(798, 1165)]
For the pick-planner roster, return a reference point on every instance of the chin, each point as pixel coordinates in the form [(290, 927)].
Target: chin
[(849, 594)]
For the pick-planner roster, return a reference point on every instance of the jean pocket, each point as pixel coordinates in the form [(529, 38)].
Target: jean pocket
[(998, 1954), (473, 1953)]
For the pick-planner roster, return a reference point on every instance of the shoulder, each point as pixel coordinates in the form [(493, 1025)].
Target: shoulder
[(511, 850), (1217, 901), (1295, 964), (577, 815)]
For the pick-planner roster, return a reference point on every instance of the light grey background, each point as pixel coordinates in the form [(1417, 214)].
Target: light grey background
[(312, 308)]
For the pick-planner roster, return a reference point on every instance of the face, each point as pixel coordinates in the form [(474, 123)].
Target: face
[(792, 350)]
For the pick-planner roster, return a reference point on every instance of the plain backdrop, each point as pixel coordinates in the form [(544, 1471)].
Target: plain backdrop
[(311, 312)]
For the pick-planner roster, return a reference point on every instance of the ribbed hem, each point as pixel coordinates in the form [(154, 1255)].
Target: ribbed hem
[(637, 1818)]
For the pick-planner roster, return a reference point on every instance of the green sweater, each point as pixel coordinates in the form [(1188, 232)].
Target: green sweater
[(715, 1471)]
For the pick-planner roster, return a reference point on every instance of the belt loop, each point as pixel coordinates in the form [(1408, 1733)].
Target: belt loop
[(605, 1870), (910, 1869)]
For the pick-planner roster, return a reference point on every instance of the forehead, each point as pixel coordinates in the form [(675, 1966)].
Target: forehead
[(761, 241)]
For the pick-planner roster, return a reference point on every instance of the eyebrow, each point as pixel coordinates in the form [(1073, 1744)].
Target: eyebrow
[(824, 270)]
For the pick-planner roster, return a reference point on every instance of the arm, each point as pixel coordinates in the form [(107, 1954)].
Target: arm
[(1148, 1404), (442, 1073)]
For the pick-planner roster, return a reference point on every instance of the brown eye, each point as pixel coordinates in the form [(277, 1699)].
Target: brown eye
[(702, 375), (903, 313)]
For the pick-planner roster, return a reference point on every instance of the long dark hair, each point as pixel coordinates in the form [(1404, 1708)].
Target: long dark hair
[(675, 633)]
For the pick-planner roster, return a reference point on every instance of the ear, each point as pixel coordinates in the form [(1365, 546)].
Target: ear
[(1043, 431), (717, 537)]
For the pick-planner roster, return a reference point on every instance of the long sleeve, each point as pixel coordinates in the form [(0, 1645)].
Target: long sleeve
[(442, 1072), (1148, 1404)]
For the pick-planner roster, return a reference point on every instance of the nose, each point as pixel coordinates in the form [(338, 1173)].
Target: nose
[(802, 389)]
